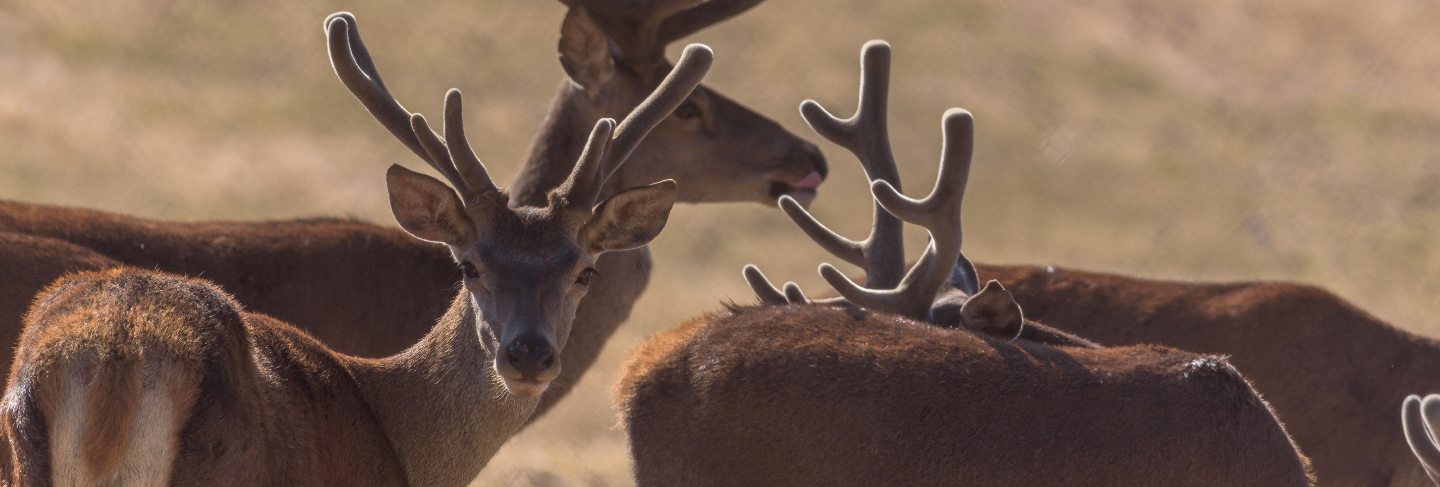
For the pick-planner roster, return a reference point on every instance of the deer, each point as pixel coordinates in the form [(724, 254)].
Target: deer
[(876, 387), (127, 376), (1419, 420), (1348, 432), (715, 148)]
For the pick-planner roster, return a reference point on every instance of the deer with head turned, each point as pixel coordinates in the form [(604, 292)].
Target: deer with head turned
[(131, 377), (863, 390), (716, 150)]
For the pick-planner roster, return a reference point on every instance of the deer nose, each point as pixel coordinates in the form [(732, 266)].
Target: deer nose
[(816, 158), (530, 355)]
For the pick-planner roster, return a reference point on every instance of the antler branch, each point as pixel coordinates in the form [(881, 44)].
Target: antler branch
[(356, 70), (939, 213), (596, 166), (882, 254), (865, 134)]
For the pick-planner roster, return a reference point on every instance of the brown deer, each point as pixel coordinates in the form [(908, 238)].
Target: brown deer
[(862, 391), (134, 377), (1420, 420), (1364, 364), (716, 149)]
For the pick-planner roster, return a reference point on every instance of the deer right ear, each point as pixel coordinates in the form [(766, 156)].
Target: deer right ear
[(585, 51), (427, 208), (993, 311)]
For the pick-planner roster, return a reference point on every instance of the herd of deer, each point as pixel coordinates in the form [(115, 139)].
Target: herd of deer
[(335, 352)]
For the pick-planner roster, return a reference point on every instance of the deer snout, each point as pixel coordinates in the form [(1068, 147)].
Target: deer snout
[(810, 152), (803, 174), (527, 364), (531, 356)]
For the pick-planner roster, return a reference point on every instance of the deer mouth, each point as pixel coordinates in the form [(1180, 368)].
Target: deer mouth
[(803, 189), (525, 387)]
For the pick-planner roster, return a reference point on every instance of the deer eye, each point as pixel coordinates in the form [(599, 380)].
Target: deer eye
[(469, 270), (584, 278), (688, 110)]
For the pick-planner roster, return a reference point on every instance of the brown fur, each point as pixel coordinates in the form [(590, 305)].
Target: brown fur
[(1292, 340), (393, 283), (255, 401), (820, 395), (107, 429)]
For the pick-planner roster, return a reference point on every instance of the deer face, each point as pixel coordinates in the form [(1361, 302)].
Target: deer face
[(525, 269), (717, 149)]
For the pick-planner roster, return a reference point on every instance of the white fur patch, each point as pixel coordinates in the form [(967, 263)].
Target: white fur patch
[(147, 460), (66, 455)]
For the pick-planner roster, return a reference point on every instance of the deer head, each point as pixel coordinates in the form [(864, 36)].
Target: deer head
[(525, 268), (719, 150), (889, 286)]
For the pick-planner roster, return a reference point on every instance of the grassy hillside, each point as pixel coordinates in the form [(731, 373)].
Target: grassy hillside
[(1192, 140)]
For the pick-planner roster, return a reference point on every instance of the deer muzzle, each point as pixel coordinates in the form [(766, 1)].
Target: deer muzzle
[(527, 364)]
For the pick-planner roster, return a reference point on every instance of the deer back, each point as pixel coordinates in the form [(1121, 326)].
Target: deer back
[(821, 395)]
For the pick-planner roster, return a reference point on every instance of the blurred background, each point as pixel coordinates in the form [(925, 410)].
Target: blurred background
[(1219, 140)]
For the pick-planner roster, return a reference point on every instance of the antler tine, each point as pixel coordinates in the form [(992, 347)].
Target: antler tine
[(580, 186), (701, 16), (1418, 421), (866, 135), (352, 63), (687, 74), (762, 287), (462, 156), (769, 294), (849, 250), (905, 299), (694, 63), (438, 155)]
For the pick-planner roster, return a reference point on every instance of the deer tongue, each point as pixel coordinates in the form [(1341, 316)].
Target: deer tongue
[(810, 181)]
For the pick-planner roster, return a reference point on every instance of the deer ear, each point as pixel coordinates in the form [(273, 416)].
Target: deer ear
[(629, 219), (993, 311), (585, 50), (427, 208)]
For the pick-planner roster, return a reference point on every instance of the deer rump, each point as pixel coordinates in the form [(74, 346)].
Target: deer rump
[(835, 395)]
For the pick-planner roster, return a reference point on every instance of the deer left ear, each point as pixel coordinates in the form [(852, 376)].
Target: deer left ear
[(993, 311), (629, 219)]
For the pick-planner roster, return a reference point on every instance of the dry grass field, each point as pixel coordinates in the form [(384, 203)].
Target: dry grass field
[(1227, 139)]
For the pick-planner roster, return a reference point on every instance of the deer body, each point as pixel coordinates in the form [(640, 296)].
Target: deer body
[(1364, 364), (820, 395), (394, 285), (258, 401)]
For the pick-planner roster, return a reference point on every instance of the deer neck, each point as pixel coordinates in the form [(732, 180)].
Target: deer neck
[(441, 403), (557, 146)]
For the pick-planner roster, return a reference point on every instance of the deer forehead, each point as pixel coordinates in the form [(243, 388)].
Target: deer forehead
[(526, 240), (518, 257)]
